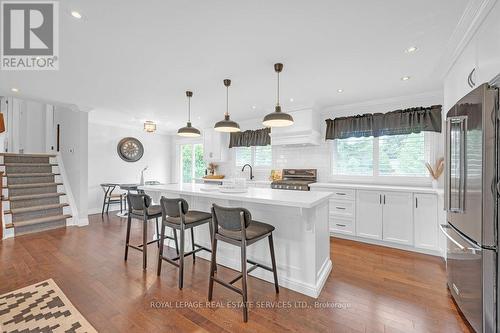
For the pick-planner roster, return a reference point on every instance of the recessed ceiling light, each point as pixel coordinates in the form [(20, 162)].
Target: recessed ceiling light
[(254, 107), (340, 91), (411, 49), (405, 78), (291, 99), (76, 14), (14, 90)]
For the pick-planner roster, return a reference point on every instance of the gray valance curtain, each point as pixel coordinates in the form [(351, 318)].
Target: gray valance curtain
[(407, 121), (260, 137)]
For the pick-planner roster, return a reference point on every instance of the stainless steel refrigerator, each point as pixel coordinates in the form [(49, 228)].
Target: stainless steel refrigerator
[(471, 202)]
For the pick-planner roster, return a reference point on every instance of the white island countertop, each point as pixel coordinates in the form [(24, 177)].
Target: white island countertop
[(299, 199)]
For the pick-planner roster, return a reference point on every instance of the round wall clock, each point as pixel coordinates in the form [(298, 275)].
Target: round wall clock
[(130, 149)]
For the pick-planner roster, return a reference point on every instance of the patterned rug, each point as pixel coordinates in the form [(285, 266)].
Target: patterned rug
[(41, 307)]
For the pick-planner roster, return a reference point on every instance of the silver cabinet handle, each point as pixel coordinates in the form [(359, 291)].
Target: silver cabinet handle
[(416, 202), (384, 199), (340, 225), (340, 193), (341, 208), (380, 199)]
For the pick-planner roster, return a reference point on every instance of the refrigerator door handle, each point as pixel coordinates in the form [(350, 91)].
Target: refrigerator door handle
[(447, 166), (443, 227)]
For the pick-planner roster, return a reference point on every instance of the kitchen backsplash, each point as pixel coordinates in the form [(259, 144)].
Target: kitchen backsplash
[(286, 157)]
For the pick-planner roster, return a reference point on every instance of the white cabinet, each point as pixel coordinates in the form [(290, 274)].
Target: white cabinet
[(397, 217), (369, 214), (405, 218), (385, 215), (425, 221), (488, 47), (215, 145)]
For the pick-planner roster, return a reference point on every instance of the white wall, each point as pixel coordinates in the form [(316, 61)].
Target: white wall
[(105, 166), (73, 149)]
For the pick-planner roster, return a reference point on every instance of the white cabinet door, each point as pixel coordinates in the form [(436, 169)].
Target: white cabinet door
[(397, 217), (215, 146), (488, 47), (425, 220), (368, 214)]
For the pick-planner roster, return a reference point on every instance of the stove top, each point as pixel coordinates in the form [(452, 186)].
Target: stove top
[(296, 179)]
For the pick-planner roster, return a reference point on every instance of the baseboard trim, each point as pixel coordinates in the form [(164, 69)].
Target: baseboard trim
[(436, 253)]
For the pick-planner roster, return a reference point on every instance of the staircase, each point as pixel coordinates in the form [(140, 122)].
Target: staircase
[(32, 194)]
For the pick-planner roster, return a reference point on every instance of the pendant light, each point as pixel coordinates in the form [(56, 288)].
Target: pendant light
[(149, 126), (189, 131), (278, 118), (227, 125)]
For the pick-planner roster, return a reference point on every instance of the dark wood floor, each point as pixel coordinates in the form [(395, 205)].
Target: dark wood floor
[(376, 289)]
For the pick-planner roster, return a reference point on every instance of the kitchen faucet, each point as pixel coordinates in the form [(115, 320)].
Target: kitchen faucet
[(251, 170)]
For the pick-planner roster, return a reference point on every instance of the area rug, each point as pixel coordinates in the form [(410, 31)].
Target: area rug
[(41, 307)]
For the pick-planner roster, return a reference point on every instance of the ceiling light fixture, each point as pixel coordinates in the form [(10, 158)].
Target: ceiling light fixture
[(254, 107), (76, 14), (278, 118), (227, 125), (291, 99), (405, 78), (189, 131), (14, 90), (340, 91), (149, 126), (411, 49)]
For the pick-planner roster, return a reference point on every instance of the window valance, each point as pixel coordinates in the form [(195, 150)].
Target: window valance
[(260, 137), (407, 121)]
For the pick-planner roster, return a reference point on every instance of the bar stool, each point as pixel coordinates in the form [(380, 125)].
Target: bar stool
[(139, 207), (235, 226), (112, 198), (176, 214)]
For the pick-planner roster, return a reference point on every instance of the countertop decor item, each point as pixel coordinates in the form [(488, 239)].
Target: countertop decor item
[(189, 131), (435, 172), (276, 175), (212, 169), (149, 126), (214, 177), (227, 125), (278, 118), (130, 149)]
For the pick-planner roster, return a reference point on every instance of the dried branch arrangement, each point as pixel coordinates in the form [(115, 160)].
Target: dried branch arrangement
[(438, 169)]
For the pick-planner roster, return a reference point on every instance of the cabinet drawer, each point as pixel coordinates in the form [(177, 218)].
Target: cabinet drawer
[(341, 225), (342, 208), (343, 194)]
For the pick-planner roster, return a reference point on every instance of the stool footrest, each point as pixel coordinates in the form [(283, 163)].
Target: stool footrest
[(200, 248), (227, 285)]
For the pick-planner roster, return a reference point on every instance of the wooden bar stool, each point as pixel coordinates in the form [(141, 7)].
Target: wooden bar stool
[(235, 226), (176, 214), (139, 207)]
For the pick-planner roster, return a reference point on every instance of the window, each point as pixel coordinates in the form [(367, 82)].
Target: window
[(391, 155), (192, 164), (257, 157)]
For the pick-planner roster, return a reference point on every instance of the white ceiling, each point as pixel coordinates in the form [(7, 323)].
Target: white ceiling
[(131, 61)]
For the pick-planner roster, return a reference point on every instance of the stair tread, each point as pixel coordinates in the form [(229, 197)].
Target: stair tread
[(33, 196), (34, 174), (17, 186), (42, 220), (35, 208), (28, 164), (29, 155)]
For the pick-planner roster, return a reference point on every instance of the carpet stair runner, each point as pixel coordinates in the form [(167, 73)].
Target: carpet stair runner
[(34, 201)]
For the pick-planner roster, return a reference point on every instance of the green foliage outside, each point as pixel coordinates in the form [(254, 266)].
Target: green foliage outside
[(192, 168)]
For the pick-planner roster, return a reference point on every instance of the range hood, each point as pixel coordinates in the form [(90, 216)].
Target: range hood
[(304, 132)]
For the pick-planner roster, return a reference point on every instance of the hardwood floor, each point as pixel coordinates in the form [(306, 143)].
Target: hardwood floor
[(371, 288)]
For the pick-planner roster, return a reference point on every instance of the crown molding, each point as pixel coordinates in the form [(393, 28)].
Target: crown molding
[(430, 97), (472, 18)]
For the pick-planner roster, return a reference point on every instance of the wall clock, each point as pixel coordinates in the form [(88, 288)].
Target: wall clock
[(130, 149)]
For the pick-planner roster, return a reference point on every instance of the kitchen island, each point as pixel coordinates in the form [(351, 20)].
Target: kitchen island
[(301, 238)]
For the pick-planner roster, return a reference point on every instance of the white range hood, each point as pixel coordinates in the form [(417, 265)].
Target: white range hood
[(304, 131)]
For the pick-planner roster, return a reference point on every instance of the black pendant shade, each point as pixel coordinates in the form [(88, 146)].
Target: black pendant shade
[(227, 125), (189, 130), (278, 118)]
